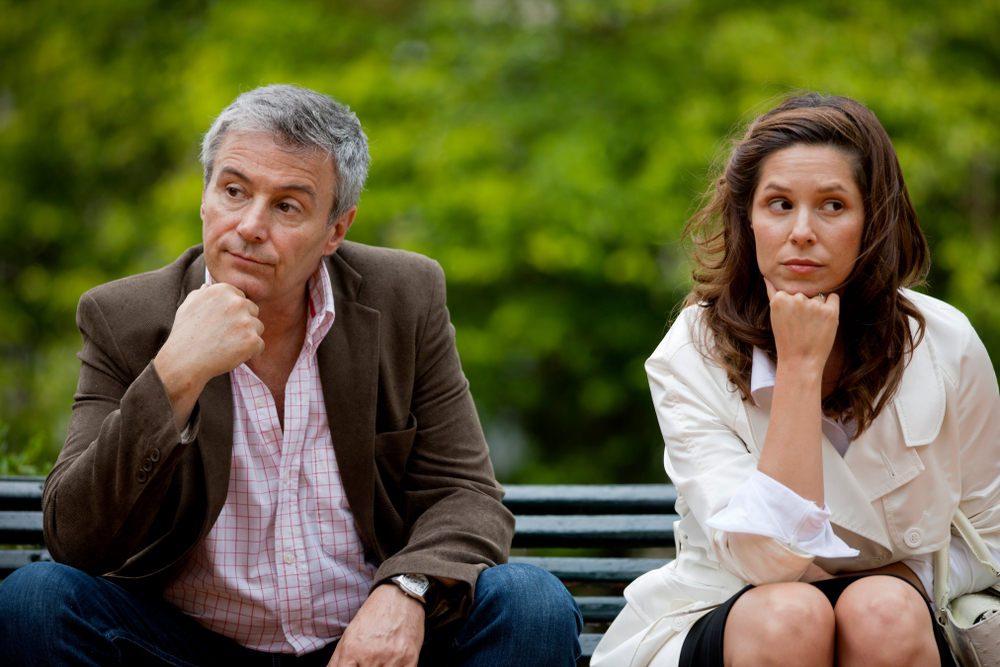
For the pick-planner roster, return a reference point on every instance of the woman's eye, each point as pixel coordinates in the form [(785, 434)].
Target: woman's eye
[(833, 206), (780, 205)]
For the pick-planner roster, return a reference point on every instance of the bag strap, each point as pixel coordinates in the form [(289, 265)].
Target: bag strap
[(942, 560)]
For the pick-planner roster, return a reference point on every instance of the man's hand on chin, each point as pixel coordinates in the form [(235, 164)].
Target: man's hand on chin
[(387, 631)]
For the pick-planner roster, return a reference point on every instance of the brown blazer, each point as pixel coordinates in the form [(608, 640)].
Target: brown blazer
[(127, 499)]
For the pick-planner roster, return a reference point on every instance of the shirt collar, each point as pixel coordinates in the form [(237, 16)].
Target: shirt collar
[(762, 375), (321, 311)]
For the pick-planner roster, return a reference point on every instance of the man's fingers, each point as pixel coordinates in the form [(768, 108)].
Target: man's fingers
[(253, 308)]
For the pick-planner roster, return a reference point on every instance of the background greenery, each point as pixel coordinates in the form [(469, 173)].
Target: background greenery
[(546, 152)]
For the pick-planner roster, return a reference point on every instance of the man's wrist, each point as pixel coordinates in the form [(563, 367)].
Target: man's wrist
[(416, 586)]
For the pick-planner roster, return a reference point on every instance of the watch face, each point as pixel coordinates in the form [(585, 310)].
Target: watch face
[(415, 583)]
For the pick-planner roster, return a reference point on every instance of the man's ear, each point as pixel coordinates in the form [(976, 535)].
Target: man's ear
[(338, 230)]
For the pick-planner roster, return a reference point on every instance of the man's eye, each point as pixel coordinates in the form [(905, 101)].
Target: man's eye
[(232, 192), (285, 207)]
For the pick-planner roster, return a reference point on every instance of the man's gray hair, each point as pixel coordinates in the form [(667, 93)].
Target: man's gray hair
[(303, 119)]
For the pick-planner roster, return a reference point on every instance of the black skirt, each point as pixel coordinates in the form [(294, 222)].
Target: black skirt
[(703, 644)]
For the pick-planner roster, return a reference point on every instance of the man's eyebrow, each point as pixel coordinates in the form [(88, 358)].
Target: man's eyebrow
[(298, 187)]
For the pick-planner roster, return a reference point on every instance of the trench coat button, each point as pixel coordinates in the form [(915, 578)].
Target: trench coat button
[(147, 465), (141, 476), (679, 623), (154, 455), (914, 537)]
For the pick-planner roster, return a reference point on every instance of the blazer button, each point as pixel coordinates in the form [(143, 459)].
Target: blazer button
[(141, 476), (154, 455), (147, 465), (914, 537)]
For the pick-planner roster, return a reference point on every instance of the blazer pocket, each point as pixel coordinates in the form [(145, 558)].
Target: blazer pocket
[(392, 451)]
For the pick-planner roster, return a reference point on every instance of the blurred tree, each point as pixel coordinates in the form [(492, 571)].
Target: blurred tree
[(546, 152)]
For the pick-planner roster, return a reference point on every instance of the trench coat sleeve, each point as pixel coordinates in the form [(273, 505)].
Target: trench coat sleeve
[(705, 457), (979, 437), (111, 479), (455, 523)]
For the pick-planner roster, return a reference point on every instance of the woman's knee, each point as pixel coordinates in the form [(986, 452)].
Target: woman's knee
[(780, 624), (885, 620)]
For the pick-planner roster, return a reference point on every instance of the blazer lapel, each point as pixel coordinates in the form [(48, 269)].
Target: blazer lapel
[(215, 406), (348, 359)]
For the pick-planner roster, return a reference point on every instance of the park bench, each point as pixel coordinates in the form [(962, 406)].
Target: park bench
[(613, 521)]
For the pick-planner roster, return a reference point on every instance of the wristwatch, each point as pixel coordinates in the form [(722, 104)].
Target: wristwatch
[(414, 585)]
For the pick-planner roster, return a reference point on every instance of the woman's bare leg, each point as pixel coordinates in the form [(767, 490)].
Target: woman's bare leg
[(787, 624), (883, 621)]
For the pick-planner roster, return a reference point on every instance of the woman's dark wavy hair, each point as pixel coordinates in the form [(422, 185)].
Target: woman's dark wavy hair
[(875, 316)]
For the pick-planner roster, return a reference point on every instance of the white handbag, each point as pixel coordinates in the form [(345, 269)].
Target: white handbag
[(971, 622)]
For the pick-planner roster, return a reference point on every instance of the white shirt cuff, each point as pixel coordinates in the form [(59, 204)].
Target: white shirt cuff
[(764, 506)]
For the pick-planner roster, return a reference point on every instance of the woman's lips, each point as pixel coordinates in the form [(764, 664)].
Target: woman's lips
[(802, 265)]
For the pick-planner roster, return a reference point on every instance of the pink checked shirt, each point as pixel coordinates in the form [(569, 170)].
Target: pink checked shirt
[(283, 570)]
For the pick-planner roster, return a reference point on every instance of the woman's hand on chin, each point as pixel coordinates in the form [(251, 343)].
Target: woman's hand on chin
[(804, 328)]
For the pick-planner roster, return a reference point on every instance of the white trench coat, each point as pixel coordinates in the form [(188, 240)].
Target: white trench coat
[(935, 447)]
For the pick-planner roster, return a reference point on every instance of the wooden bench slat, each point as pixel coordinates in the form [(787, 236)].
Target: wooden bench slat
[(606, 530), (600, 609), (594, 570), (591, 499), (588, 643), (11, 559), (21, 494), (21, 528)]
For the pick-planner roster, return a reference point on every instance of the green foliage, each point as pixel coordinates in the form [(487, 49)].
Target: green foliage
[(546, 152), (29, 461)]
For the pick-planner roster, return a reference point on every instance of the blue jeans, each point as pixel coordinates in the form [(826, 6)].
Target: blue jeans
[(53, 614)]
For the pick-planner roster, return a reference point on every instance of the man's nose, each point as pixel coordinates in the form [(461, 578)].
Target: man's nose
[(803, 228), (254, 224)]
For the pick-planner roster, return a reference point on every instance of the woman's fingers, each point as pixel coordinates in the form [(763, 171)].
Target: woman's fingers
[(804, 327), (770, 289)]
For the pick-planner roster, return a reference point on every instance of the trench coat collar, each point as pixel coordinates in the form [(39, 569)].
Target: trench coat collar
[(878, 461)]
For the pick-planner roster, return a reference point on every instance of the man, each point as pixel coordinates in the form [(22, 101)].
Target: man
[(273, 452)]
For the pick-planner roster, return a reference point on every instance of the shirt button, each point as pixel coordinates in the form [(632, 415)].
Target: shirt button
[(287, 477), (289, 558), (679, 623), (914, 537), (260, 402)]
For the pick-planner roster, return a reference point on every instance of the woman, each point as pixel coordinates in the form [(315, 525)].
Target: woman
[(822, 422)]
